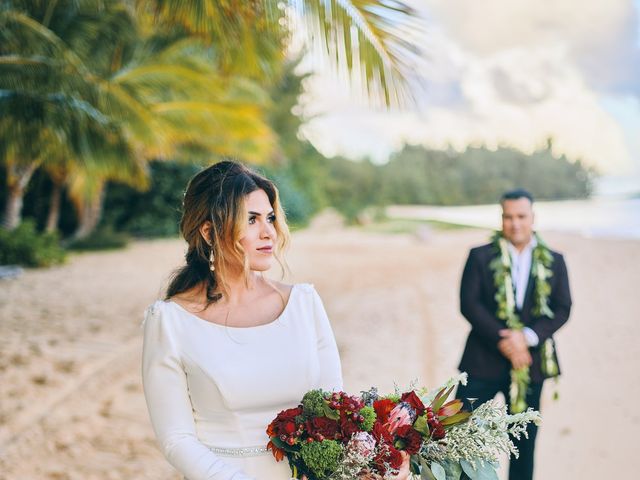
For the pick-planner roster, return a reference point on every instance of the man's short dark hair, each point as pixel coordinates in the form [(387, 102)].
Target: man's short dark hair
[(516, 194)]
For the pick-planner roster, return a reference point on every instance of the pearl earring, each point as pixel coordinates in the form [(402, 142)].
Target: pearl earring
[(212, 267)]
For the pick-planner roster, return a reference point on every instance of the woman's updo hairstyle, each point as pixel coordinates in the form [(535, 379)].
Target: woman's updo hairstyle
[(217, 194)]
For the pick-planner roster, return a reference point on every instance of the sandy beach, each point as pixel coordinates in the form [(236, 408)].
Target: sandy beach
[(71, 403)]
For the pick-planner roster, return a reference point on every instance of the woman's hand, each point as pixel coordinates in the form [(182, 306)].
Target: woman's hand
[(405, 468)]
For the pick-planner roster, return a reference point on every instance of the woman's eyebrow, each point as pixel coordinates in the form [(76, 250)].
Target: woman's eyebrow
[(258, 213)]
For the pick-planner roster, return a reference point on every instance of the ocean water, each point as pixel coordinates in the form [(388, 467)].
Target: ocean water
[(614, 211), (601, 216)]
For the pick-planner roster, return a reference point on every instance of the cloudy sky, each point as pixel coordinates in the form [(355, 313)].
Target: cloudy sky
[(506, 72)]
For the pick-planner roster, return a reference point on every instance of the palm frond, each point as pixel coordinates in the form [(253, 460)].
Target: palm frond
[(373, 41), (248, 40)]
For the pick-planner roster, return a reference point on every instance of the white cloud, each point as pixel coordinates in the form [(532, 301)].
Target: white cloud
[(501, 72), (601, 37)]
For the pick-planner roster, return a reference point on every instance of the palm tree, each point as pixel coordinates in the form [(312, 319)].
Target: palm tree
[(88, 89), (194, 114), (372, 40), (90, 97)]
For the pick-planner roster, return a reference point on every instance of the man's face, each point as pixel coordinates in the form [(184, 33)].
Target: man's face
[(517, 221)]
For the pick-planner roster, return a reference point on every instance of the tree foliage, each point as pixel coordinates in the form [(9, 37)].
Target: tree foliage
[(478, 175), (92, 91)]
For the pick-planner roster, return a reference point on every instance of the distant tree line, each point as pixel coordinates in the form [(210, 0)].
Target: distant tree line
[(477, 175), (309, 182)]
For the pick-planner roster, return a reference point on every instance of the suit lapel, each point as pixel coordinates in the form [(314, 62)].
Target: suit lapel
[(528, 297)]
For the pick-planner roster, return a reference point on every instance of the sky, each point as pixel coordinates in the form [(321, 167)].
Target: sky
[(504, 72)]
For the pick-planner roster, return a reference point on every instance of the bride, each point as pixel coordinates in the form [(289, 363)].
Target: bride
[(227, 349)]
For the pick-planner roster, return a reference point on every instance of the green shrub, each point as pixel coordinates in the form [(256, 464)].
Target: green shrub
[(155, 212), (27, 247), (104, 238)]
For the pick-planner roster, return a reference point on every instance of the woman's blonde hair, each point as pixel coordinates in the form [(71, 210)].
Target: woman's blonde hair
[(217, 194)]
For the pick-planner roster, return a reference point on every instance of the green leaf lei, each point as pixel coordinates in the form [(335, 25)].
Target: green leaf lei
[(541, 262)]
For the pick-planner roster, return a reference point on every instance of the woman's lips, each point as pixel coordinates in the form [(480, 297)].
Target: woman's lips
[(266, 249)]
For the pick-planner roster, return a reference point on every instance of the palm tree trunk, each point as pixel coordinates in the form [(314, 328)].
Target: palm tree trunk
[(17, 180), (89, 214), (54, 208)]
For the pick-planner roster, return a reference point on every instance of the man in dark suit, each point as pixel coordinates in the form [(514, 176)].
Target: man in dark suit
[(492, 349)]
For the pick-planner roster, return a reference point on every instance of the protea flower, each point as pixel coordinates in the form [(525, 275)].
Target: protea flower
[(402, 414), (362, 443)]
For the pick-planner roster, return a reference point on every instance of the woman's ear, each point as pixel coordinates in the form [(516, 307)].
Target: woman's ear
[(205, 231)]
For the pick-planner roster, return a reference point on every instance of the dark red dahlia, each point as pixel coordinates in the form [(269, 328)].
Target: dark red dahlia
[(410, 437), (323, 426), (412, 399)]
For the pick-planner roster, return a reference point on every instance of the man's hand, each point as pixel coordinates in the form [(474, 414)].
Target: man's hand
[(514, 346), (519, 360)]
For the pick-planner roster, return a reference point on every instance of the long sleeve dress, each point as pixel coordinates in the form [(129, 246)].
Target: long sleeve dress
[(212, 390)]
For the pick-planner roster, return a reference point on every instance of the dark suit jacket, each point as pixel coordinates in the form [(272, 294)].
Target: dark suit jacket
[(481, 358)]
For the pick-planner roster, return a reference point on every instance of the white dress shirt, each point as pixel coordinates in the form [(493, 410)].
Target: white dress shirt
[(520, 273)]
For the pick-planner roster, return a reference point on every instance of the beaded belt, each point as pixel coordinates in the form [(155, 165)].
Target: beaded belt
[(240, 452)]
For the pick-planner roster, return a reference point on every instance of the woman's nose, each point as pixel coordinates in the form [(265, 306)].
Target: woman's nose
[(268, 230)]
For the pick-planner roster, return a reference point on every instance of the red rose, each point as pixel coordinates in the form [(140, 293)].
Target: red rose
[(324, 426), (412, 399), (383, 408), (284, 423), (411, 439)]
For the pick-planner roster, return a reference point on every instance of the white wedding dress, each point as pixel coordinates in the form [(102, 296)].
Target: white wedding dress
[(212, 390)]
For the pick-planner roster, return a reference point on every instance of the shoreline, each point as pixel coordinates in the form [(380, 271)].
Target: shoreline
[(598, 217)]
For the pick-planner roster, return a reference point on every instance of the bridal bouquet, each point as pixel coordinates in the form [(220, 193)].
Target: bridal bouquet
[(336, 436)]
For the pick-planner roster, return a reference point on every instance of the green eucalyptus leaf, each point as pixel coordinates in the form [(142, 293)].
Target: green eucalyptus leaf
[(425, 472), (414, 464), (469, 469), (438, 471), (479, 470), (452, 469)]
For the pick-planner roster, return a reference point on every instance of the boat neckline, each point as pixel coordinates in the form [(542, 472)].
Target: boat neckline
[(284, 310)]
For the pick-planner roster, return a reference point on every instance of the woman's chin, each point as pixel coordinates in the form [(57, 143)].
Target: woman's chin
[(261, 266)]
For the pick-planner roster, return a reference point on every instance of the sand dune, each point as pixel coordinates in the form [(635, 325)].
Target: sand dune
[(71, 400)]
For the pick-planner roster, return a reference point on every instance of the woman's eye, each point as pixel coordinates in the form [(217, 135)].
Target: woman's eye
[(271, 218), (252, 219)]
